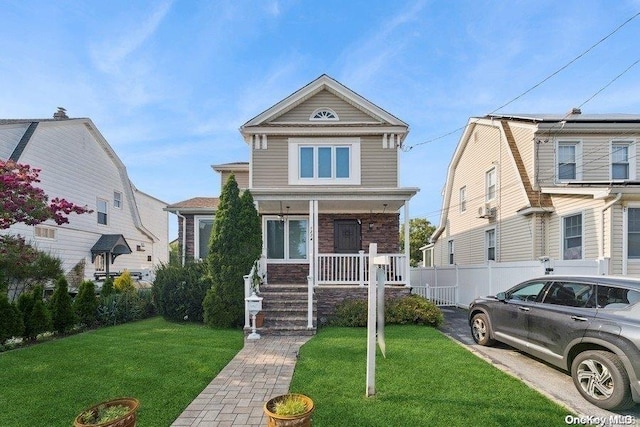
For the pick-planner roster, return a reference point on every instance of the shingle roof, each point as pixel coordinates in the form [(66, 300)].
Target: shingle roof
[(204, 203)]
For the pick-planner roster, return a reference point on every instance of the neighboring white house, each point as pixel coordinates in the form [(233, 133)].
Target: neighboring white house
[(128, 229)]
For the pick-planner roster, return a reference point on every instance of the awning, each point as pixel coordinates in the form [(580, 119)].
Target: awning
[(113, 244)]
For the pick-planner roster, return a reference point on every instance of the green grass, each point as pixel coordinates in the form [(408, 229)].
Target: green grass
[(426, 380), (165, 365)]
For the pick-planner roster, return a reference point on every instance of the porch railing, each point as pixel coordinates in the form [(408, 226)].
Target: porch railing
[(353, 269)]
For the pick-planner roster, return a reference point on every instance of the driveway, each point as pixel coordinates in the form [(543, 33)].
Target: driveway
[(552, 382)]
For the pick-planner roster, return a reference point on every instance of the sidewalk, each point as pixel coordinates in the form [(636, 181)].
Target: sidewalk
[(260, 371)]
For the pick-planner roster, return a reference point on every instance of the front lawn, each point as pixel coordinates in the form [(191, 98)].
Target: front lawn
[(165, 365), (426, 380)]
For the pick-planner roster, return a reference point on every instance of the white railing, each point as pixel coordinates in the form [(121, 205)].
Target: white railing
[(442, 296), (352, 269)]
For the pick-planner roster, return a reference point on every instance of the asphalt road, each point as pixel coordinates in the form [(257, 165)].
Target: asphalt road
[(548, 380)]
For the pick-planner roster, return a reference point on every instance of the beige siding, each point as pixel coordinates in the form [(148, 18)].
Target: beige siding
[(379, 167), (324, 99), (516, 239), (614, 229), (242, 178), (523, 135), (592, 231)]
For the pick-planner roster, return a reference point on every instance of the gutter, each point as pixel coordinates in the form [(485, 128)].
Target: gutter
[(184, 237), (604, 208)]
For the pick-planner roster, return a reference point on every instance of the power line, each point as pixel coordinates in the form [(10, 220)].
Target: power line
[(409, 148)]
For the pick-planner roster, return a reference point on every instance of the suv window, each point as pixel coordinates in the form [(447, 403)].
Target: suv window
[(526, 292), (570, 294), (612, 297)]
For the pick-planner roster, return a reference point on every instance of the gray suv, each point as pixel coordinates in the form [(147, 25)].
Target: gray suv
[(587, 325)]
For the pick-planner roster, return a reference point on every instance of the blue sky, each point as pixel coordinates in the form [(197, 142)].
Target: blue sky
[(168, 83)]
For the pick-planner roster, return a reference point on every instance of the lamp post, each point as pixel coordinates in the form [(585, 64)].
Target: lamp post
[(254, 305)]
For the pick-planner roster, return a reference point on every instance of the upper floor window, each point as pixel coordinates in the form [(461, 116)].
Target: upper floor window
[(623, 160), (45, 232), (463, 199), (490, 184), (101, 206), (568, 160), (322, 161), (324, 114), (117, 199), (572, 237), (490, 241)]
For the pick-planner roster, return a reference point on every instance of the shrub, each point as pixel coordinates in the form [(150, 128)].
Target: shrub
[(86, 303), (413, 309), (107, 287), (179, 291), (124, 282), (126, 307), (61, 309), (350, 312), (35, 314), (11, 324)]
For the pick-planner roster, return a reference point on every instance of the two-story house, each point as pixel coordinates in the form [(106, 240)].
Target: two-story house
[(561, 190), (128, 229)]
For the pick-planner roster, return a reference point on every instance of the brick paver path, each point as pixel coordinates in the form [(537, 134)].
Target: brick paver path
[(260, 371)]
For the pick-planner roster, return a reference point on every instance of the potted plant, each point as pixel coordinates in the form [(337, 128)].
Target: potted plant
[(289, 410), (113, 413)]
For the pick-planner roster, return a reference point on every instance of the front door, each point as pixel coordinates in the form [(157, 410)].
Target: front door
[(346, 236)]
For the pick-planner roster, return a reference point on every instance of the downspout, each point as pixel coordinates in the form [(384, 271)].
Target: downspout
[(184, 237), (604, 208)]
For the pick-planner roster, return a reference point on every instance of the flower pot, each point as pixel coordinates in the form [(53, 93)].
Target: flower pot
[(126, 420), (300, 420), (260, 319)]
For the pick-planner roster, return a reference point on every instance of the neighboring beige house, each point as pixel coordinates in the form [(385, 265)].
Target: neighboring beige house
[(559, 189), (128, 229)]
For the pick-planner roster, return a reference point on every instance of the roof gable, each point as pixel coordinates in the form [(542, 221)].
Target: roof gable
[(323, 83)]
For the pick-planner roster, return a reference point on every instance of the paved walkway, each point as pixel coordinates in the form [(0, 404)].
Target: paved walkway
[(260, 371)]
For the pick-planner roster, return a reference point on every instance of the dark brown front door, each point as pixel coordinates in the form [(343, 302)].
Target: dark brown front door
[(346, 236)]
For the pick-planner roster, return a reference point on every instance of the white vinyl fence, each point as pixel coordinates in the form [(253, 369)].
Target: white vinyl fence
[(459, 285)]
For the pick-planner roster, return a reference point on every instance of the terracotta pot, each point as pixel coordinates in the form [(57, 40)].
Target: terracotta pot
[(127, 420), (275, 420)]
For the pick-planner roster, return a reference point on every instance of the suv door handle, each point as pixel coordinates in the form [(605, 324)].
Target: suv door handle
[(580, 319), (523, 308)]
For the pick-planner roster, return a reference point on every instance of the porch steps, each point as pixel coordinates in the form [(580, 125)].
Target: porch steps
[(285, 310)]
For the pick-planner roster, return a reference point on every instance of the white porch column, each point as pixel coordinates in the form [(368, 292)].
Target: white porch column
[(407, 249), (312, 241)]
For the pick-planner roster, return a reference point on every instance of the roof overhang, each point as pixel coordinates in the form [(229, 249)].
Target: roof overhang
[(112, 244)]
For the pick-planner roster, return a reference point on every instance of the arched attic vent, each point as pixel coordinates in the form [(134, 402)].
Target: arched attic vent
[(324, 114)]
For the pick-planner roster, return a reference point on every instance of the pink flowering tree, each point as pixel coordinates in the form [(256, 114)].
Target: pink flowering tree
[(22, 265), (21, 201)]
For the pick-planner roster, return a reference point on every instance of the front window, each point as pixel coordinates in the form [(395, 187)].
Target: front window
[(450, 250), (490, 239), (633, 233), (287, 239), (463, 199), (101, 206), (623, 162), (324, 161), (204, 225), (572, 237), (568, 158), (490, 184)]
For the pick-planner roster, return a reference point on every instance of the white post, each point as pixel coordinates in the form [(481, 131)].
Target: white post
[(309, 302), (371, 324), (247, 293), (361, 268), (407, 248)]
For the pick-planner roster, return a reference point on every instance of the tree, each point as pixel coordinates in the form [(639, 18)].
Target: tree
[(35, 315), (21, 201), (11, 324), (233, 248), (420, 230), (61, 309), (86, 303)]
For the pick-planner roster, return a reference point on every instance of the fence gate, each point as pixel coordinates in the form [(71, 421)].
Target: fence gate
[(442, 296)]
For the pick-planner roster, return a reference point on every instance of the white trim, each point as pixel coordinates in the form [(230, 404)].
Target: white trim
[(625, 237), (486, 244), (335, 117), (106, 212), (294, 160), (582, 236), (286, 259), (493, 171), (119, 200), (196, 232)]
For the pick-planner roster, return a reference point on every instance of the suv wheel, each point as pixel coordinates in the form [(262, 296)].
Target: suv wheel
[(601, 379), (481, 330)]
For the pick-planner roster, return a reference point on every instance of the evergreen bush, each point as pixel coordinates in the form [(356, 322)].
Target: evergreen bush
[(61, 309), (107, 287), (179, 291), (11, 324), (86, 303), (124, 283), (35, 314), (411, 309), (350, 313)]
